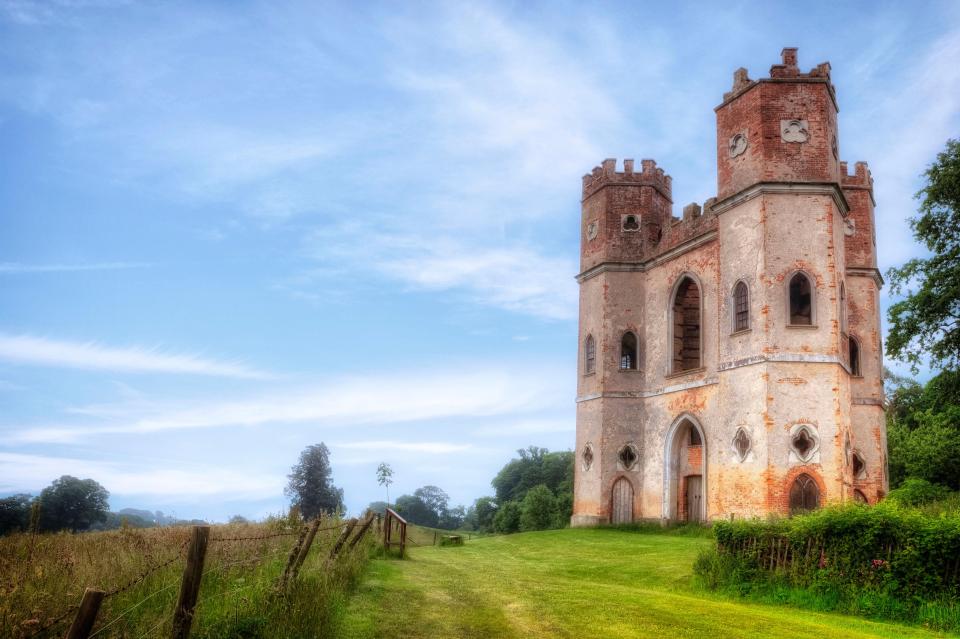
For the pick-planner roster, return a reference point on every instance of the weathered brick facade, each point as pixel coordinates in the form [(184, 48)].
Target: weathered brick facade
[(738, 401)]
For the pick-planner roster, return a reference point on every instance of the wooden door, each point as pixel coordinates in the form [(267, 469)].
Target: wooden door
[(694, 498), (622, 502)]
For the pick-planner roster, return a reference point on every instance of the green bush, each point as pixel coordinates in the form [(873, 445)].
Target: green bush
[(886, 560), (507, 519), (538, 510), (917, 492)]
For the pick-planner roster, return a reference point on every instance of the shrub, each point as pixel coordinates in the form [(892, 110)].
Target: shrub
[(916, 492), (538, 510), (507, 519)]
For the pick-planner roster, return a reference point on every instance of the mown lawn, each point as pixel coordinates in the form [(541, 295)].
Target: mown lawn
[(571, 583)]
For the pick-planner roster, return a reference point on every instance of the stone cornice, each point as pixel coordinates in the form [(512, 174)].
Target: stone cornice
[(710, 381), (794, 80), (872, 273), (801, 188), (634, 267)]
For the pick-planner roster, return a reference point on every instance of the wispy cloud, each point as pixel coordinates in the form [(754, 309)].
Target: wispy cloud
[(430, 448), (20, 472), (14, 268), (402, 397), (41, 351)]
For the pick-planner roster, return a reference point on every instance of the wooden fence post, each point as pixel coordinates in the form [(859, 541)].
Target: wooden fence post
[(292, 559), (190, 584), (342, 538), (363, 531), (86, 615), (305, 549)]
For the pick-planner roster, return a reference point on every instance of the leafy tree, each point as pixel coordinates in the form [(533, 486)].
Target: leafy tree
[(434, 498), (72, 504), (14, 513), (926, 322), (507, 519), (484, 510), (378, 507), (452, 518), (535, 466), (385, 478), (311, 483), (538, 510), (930, 450), (416, 511), (239, 519)]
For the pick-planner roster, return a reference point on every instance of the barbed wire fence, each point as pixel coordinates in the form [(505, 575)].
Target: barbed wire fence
[(193, 553)]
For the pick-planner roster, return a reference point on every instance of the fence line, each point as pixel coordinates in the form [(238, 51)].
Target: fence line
[(83, 626)]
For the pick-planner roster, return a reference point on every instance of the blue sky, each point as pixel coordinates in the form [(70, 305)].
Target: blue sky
[(230, 230)]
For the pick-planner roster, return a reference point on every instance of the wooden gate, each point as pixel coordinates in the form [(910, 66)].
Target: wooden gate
[(622, 512), (694, 498)]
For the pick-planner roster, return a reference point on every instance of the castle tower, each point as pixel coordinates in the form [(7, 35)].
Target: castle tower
[(729, 361)]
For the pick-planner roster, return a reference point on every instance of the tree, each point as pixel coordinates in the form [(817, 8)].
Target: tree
[(452, 518), (311, 486), (72, 504), (239, 519), (385, 478), (507, 519), (14, 513), (434, 498), (379, 507), (930, 450), (416, 511), (484, 510), (926, 322), (535, 466), (538, 510)]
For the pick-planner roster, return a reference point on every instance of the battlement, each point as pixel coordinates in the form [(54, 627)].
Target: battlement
[(606, 174), (787, 70), (861, 175)]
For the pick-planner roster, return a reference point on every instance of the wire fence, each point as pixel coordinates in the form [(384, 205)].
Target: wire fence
[(228, 553)]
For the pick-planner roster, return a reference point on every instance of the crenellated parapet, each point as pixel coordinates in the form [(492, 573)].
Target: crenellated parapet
[(787, 70), (606, 174), (861, 176)]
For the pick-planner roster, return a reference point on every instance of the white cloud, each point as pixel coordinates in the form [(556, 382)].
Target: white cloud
[(17, 267), (406, 396), (430, 448), (19, 472), (40, 351)]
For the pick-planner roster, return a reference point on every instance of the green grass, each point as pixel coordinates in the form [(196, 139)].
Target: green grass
[(572, 583)]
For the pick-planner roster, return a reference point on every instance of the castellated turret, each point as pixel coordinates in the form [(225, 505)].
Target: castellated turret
[(729, 360)]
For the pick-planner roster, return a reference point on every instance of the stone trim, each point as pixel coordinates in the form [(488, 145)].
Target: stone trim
[(873, 273), (666, 390), (784, 357), (794, 188), (639, 267), (867, 401)]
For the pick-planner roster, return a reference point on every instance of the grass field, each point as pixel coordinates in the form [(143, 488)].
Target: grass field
[(42, 577), (571, 583)]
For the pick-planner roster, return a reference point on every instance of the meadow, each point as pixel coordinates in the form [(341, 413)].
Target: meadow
[(42, 577), (574, 583)]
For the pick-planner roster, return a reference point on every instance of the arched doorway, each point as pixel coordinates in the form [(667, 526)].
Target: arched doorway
[(621, 511), (685, 488)]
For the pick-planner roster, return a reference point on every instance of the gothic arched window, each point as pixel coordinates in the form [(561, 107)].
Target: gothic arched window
[(628, 352), (686, 326), (589, 355), (854, 356), (801, 300), (843, 308), (741, 307), (804, 494)]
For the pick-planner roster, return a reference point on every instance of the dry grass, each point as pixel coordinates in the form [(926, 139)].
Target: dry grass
[(42, 577)]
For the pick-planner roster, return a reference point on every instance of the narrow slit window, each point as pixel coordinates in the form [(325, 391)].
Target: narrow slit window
[(858, 465), (686, 326), (843, 308), (741, 306), (801, 301), (590, 355), (628, 352), (854, 357)]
